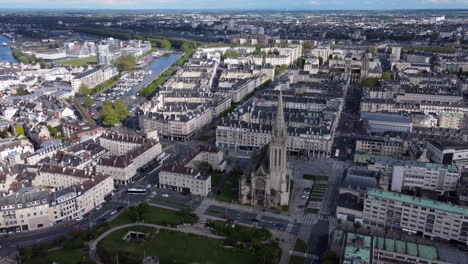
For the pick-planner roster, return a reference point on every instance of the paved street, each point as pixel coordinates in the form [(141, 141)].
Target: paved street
[(312, 228)]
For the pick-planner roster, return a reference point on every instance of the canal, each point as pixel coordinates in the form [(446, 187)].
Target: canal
[(156, 67), (5, 51)]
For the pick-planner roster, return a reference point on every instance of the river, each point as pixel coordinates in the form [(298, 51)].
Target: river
[(5, 51), (156, 67)]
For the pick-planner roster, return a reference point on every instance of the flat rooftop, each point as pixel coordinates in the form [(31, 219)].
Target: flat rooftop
[(418, 201)]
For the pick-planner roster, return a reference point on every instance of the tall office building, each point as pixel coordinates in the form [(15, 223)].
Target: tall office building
[(104, 55)]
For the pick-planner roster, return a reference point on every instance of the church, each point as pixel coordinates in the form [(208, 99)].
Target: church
[(266, 181)]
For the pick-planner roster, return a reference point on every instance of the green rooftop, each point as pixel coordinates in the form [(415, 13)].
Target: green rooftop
[(404, 247), (428, 252), (354, 252), (452, 114), (352, 238), (438, 165), (411, 248), (418, 201)]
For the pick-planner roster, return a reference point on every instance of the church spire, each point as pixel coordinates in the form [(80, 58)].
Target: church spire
[(279, 127)]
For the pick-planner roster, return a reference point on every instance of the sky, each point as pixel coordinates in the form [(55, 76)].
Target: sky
[(237, 4)]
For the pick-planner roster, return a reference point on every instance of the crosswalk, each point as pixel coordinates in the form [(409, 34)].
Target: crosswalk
[(306, 227), (327, 218)]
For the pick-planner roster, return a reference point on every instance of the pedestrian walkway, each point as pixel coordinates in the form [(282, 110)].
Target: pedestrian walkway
[(306, 227), (207, 202)]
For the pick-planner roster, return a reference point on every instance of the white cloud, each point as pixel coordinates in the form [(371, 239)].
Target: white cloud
[(313, 2)]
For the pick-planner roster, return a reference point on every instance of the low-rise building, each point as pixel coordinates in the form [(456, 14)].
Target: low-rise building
[(383, 122), (447, 152)]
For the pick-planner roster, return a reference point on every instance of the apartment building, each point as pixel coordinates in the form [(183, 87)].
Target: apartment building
[(185, 179), (238, 89), (118, 144), (383, 146), (411, 175), (54, 195), (94, 77), (451, 120), (427, 107), (177, 125), (209, 154), (313, 142), (124, 168), (419, 215)]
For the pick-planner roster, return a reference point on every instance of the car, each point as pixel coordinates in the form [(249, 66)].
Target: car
[(113, 212), (79, 218), (78, 230), (165, 195), (227, 217), (280, 225), (99, 207), (255, 220)]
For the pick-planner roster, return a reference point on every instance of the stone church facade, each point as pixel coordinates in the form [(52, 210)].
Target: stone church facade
[(266, 183)]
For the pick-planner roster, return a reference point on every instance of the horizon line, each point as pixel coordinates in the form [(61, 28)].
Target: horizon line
[(223, 9)]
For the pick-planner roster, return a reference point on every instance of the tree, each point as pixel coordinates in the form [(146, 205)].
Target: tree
[(88, 101), (21, 91), (307, 45), (300, 62), (120, 108), (356, 225), (267, 253), (336, 57), (371, 82), (320, 61), (328, 257), (386, 229), (387, 75), (231, 54), (204, 167), (165, 44), (108, 116), (84, 89), (338, 221), (19, 129), (125, 63), (112, 114)]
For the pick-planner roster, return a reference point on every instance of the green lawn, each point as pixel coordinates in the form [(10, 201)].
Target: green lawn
[(63, 256), (300, 245), (296, 260), (153, 215), (79, 62), (72, 249), (315, 177), (311, 210), (240, 232), (171, 247)]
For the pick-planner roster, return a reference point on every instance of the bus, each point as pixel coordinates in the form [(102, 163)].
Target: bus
[(136, 191)]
